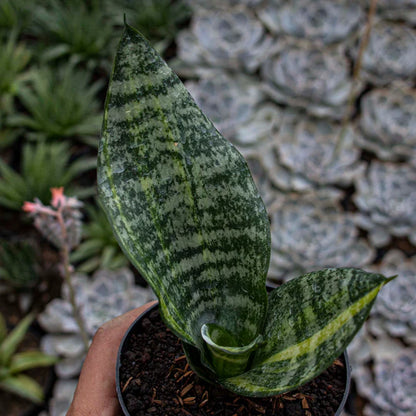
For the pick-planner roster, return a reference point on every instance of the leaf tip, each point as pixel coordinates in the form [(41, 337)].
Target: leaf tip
[(389, 279), (125, 19)]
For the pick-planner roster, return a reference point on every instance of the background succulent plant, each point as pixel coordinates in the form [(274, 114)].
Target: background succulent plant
[(323, 22), (18, 264), (229, 101), (99, 249), (13, 364), (310, 232), (394, 384), (226, 39), (34, 181), (14, 58), (104, 296), (158, 20), (226, 4), (77, 30), (8, 134), (312, 78), (15, 15), (388, 122), (390, 54), (309, 153), (390, 386), (60, 103), (62, 395), (395, 311), (386, 198), (396, 10), (256, 136)]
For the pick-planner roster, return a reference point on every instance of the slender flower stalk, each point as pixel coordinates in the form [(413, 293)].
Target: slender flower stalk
[(56, 223)]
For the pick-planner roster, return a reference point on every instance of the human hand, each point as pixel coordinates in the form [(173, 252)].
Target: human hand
[(96, 391)]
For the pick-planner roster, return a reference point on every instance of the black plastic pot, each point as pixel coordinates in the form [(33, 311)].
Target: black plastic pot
[(135, 328)]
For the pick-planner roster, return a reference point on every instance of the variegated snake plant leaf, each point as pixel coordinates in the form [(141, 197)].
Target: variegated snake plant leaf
[(185, 210)]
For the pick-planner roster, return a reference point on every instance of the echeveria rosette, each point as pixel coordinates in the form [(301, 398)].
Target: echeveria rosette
[(222, 4), (319, 21), (328, 156), (228, 101), (388, 123), (311, 78), (310, 232), (255, 137), (269, 194), (394, 313), (401, 10), (231, 39), (102, 297), (234, 104), (386, 197), (390, 54), (394, 386), (187, 213), (384, 372)]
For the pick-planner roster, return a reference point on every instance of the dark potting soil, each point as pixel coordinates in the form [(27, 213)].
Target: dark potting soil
[(156, 380)]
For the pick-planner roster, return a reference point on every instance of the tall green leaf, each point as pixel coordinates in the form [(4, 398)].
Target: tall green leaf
[(12, 341), (311, 320), (23, 386), (181, 200), (30, 359)]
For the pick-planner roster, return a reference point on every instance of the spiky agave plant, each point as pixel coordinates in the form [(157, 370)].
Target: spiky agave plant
[(186, 212)]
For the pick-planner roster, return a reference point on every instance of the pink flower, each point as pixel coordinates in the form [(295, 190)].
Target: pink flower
[(58, 198), (30, 207), (38, 208)]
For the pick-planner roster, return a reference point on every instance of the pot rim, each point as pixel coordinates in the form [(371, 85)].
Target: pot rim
[(154, 306)]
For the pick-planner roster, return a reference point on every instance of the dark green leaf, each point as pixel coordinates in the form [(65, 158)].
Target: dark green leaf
[(181, 200), (311, 320)]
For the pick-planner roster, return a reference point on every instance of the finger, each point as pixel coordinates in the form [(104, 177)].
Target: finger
[(96, 390)]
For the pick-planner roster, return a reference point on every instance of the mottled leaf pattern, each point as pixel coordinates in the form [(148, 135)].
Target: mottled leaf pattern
[(181, 200), (311, 320)]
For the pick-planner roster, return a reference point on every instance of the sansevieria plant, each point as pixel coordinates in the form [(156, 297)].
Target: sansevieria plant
[(186, 212)]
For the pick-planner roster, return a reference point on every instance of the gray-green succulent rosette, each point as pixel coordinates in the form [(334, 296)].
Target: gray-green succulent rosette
[(186, 212), (388, 123), (323, 22), (386, 198), (309, 232), (390, 54)]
